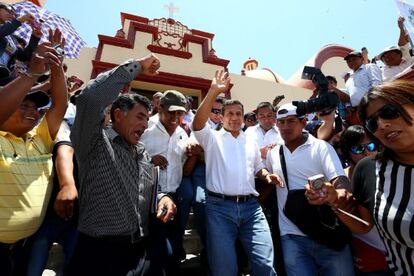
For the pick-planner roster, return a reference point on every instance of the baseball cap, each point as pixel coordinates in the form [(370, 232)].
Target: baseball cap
[(353, 54), (173, 100), (388, 49), (157, 95), (39, 97), (286, 110)]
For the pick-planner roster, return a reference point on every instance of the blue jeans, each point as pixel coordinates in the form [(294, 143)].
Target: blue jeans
[(192, 193), (53, 229), (227, 221), (304, 256)]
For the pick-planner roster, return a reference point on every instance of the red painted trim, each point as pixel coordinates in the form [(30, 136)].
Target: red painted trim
[(407, 76), (132, 17), (205, 50), (124, 43), (201, 33), (274, 75), (321, 57), (162, 78), (169, 52), (249, 61), (330, 51), (36, 2)]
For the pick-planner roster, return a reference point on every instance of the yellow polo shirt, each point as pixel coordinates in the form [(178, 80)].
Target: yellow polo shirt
[(25, 182)]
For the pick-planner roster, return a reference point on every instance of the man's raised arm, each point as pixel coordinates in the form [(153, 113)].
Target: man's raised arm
[(219, 84)]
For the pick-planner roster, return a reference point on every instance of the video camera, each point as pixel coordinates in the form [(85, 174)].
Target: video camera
[(325, 101)]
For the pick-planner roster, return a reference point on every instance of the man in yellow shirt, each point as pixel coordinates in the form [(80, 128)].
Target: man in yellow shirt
[(25, 156)]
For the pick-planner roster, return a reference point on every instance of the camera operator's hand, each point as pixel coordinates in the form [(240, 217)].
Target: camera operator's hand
[(26, 18), (315, 197), (150, 65), (400, 21), (36, 28)]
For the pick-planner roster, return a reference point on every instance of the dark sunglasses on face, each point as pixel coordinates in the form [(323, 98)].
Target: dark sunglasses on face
[(216, 111), (387, 112), (360, 149)]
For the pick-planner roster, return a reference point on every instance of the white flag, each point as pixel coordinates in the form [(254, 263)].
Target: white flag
[(407, 11)]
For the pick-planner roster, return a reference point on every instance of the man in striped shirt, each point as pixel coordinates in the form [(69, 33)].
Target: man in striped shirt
[(116, 176)]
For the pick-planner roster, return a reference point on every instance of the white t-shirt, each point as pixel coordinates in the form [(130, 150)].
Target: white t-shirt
[(231, 162), (263, 138), (311, 158), (392, 72), (157, 141)]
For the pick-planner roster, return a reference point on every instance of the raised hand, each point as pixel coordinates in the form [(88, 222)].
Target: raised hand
[(26, 18), (220, 82), (150, 65), (401, 22)]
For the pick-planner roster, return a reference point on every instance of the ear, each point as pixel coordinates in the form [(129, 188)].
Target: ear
[(118, 115)]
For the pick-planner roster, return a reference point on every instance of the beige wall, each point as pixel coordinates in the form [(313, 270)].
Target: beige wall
[(251, 91), (335, 66), (193, 67), (82, 66)]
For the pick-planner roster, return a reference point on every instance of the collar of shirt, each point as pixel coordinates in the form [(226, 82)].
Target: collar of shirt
[(224, 132), (27, 136), (139, 148), (362, 67)]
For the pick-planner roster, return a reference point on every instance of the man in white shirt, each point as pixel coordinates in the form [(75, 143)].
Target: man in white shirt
[(397, 59), (265, 133), (305, 156), (166, 143), (232, 208), (215, 120), (362, 78)]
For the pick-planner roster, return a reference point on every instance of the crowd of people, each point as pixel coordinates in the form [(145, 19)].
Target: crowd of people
[(113, 176)]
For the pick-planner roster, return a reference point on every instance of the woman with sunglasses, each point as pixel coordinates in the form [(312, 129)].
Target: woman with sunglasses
[(387, 112), (368, 249)]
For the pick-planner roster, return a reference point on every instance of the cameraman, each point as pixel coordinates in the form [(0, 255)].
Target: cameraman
[(304, 157)]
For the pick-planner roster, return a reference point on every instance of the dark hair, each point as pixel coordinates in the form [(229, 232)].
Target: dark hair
[(352, 136), (363, 48), (332, 78), (220, 100), (399, 93), (265, 105), (250, 115), (127, 102), (232, 102)]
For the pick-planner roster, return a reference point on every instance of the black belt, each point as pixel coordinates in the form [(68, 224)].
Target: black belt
[(235, 198), (134, 238)]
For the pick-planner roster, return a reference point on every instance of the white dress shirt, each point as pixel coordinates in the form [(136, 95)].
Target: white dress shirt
[(262, 137), (153, 120), (361, 81), (231, 162), (157, 141)]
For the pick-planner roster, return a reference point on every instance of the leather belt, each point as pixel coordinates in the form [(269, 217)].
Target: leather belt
[(134, 238), (235, 198)]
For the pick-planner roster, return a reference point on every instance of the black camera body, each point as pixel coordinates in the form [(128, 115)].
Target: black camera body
[(325, 102)]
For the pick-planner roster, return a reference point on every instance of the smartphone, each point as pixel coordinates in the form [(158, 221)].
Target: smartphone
[(317, 182), (59, 49)]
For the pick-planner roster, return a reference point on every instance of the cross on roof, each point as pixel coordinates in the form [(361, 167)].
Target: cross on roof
[(171, 9)]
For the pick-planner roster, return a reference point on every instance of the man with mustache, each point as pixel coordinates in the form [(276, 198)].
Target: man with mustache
[(116, 176)]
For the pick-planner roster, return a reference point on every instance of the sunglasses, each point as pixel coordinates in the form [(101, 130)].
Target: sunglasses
[(387, 112), (360, 149), (216, 111)]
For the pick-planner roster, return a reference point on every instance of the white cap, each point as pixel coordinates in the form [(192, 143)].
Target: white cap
[(285, 110)]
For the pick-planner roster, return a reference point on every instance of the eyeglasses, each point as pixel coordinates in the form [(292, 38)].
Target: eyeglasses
[(216, 111), (387, 112), (360, 149)]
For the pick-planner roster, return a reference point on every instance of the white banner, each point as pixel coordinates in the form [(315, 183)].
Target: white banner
[(407, 11)]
